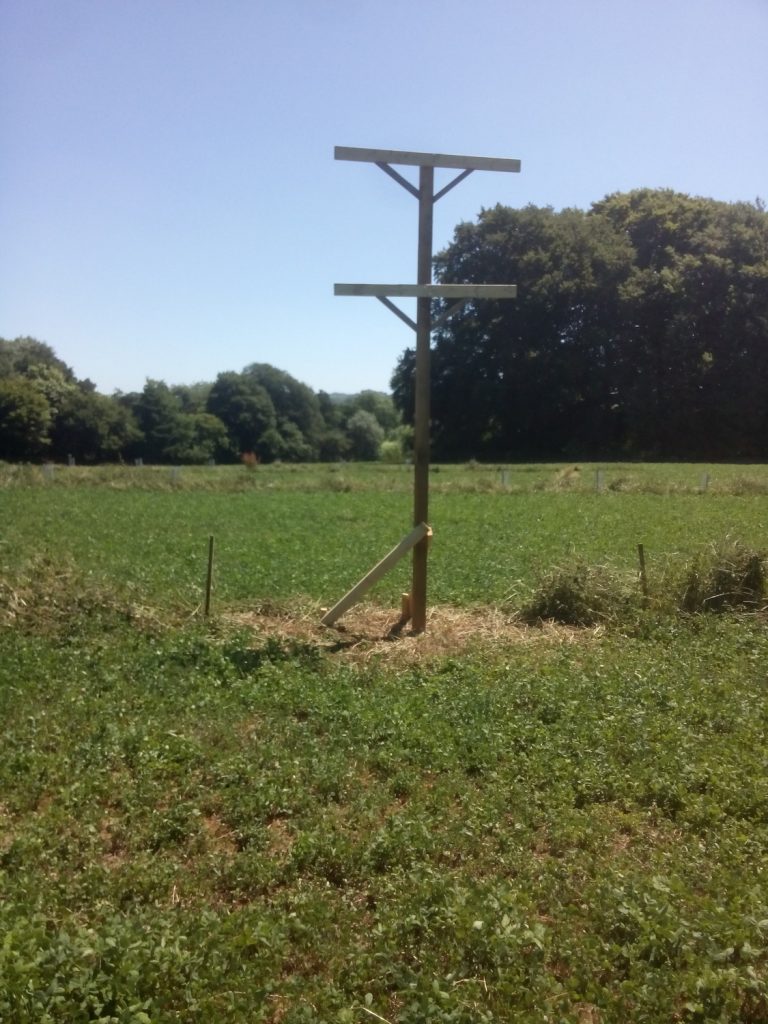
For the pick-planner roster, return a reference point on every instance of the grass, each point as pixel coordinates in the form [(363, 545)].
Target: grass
[(277, 542), (207, 821), (196, 829), (470, 478)]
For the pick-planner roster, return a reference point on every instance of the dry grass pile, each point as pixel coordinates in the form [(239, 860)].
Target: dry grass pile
[(42, 591), (579, 595), (48, 595), (727, 576), (366, 632)]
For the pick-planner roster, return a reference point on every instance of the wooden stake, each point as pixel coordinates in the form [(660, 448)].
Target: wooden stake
[(643, 576), (209, 579)]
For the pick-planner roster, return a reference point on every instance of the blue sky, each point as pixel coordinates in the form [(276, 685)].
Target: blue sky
[(169, 203)]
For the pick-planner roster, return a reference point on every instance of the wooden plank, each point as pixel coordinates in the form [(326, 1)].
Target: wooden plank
[(430, 291), (411, 159), (376, 573)]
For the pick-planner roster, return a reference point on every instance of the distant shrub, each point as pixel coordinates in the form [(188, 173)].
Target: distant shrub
[(391, 452)]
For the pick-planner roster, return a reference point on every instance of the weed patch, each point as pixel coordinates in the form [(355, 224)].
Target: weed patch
[(726, 576), (580, 595), (49, 595)]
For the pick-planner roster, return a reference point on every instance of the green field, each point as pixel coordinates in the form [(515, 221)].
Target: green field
[(283, 532), (203, 821)]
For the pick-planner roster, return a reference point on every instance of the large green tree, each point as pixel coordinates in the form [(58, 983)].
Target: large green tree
[(168, 433), (269, 412), (25, 419), (379, 405), (48, 411), (297, 408), (640, 329), (246, 410), (92, 428), (694, 337), (365, 435), (24, 356), (516, 378)]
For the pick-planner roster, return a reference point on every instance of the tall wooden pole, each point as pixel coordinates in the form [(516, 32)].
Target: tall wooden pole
[(427, 197), (421, 408)]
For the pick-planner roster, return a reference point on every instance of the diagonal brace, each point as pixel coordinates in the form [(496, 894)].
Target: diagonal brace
[(452, 184), (417, 534), (397, 311), (399, 179), (438, 321)]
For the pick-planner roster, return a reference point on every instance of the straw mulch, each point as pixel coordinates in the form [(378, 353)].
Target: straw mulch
[(370, 632)]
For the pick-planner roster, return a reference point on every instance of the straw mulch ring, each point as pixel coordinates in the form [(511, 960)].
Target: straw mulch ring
[(368, 632)]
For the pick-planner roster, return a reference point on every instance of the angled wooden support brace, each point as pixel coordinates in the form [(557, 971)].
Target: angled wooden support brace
[(438, 321), (398, 178), (397, 311), (376, 573), (452, 184)]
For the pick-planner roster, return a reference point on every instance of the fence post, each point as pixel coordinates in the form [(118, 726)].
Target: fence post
[(209, 579)]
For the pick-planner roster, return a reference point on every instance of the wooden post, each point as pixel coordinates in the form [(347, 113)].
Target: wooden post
[(424, 291), (421, 408), (643, 576), (209, 579)]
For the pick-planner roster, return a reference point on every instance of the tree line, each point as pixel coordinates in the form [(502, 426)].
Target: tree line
[(262, 412), (640, 331)]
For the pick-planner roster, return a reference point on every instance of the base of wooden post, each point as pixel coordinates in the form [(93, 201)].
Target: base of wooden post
[(405, 617)]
